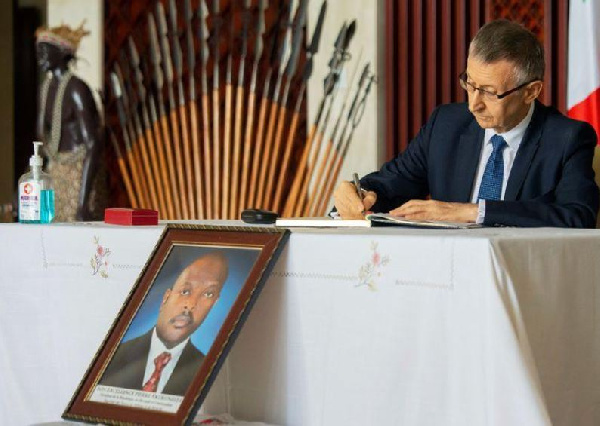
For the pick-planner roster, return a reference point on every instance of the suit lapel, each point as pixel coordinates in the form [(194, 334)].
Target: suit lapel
[(467, 159), (525, 154), (186, 369)]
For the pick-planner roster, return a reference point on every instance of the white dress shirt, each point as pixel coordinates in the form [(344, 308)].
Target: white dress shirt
[(513, 139), (157, 347)]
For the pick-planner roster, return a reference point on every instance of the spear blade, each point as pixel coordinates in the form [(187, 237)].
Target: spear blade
[(155, 55), (313, 47), (176, 45), (316, 38), (203, 33), (299, 20), (164, 42), (138, 76), (260, 29)]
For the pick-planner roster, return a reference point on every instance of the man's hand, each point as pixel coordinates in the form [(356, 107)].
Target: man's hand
[(437, 210), (348, 203)]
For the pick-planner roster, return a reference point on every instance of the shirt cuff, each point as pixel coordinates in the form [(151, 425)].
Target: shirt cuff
[(480, 212)]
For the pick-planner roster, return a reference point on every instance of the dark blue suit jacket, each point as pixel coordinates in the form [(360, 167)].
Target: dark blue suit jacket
[(551, 182)]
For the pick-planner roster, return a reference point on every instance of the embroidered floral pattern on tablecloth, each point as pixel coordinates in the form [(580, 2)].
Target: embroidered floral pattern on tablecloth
[(371, 271), (99, 261)]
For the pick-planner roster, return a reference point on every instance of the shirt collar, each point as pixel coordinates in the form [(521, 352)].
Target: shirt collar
[(157, 347), (514, 136)]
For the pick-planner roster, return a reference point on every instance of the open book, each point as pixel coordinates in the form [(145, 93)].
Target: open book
[(385, 219), (374, 219)]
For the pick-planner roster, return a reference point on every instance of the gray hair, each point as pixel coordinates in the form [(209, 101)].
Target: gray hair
[(506, 40)]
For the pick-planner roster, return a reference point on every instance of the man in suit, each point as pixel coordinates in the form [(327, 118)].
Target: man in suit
[(503, 158), (164, 360)]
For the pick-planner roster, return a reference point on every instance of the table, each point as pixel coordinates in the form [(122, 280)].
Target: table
[(390, 326)]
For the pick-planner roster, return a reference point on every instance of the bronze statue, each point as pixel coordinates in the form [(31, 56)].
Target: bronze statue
[(70, 127)]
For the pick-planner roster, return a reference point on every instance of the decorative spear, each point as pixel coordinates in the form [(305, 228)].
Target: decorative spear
[(258, 48), (295, 203), (118, 94), (123, 168), (354, 118), (152, 130), (176, 141), (332, 79), (327, 162), (280, 61), (311, 51), (158, 80), (136, 127), (186, 153), (227, 124), (215, 39), (191, 57), (135, 147), (257, 158), (290, 71), (237, 137), (203, 35)]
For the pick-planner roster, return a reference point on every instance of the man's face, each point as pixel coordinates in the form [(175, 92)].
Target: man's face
[(185, 306), (498, 77)]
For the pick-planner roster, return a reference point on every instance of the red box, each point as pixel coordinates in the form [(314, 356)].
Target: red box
[(125, 216)]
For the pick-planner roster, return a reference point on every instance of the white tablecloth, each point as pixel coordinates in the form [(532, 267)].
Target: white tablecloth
[(372, 326)]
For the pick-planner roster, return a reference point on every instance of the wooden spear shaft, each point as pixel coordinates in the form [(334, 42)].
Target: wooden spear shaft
[(146, 168), (139, 168), (161, 160), (176, 141), (199, 213), (166, 138), (244, 184), (318, 182), (237, 148), (226, 150), (133, 165), (163, 171), (259, 142), (187, 159), (210, 212), (269, 199), (260, 199), (304, 188), (288, 150), (124, 173), (155, 171), (216, 154), (295, 191)]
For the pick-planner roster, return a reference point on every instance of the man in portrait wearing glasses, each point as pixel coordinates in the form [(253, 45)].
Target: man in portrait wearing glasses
[(164, 360), (502, 158)]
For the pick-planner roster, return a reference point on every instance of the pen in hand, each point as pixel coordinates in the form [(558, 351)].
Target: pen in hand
[(359, 190), (357, 186)]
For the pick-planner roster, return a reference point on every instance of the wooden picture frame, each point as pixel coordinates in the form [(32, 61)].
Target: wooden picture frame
[(190, 301)]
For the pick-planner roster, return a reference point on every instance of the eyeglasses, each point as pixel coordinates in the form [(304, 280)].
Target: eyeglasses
[(486, 95)]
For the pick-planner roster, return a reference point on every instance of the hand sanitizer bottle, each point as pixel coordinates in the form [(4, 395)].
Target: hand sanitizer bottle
[(36, 194)]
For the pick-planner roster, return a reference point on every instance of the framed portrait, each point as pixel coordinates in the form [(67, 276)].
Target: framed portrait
[(172, 334)]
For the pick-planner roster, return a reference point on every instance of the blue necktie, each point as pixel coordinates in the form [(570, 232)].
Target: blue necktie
[(491, 182)]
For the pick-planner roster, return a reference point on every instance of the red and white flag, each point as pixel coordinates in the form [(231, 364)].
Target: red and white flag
[(583, 84)]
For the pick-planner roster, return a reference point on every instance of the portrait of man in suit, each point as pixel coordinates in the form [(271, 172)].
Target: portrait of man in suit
[(164, 360)]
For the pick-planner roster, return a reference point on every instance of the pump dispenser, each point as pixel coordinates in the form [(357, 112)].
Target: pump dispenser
[(36, 193)]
